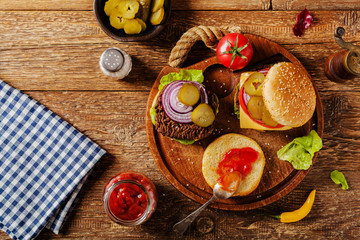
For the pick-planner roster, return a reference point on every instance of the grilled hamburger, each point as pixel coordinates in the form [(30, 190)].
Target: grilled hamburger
[(278, 98), (184, 110)]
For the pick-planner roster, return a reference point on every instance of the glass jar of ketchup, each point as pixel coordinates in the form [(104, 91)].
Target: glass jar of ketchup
[(130, 198)]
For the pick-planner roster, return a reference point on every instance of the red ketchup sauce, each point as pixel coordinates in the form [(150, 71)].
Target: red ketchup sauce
[(128, 201), (129, 196), (237, 160)]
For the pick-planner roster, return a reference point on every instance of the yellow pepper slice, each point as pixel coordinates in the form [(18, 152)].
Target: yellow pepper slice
[(297, 215)]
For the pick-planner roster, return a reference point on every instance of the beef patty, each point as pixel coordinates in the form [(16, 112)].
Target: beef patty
[(183, 131)]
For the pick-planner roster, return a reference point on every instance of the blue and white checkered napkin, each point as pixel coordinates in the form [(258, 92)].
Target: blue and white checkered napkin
[(44, 162)]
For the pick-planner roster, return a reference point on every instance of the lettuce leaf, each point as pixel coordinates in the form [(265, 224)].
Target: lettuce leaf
[(217, 104), (301, 150), (184, 141), (236, 109), (187, 75), (152, 114), (339, 178)]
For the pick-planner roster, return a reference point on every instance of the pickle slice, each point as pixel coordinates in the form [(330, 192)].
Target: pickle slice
[(254, 83), (188, 94), (203, 115), (157, 4), (110, 5), (142, 23), (157, 17), (116, 19), (132, 26), (267, 119), (255, 107), (128, 8)]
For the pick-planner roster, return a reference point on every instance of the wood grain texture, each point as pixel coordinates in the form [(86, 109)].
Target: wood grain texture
[(177, 5), (115, 120), (52, 39), (315, 5), (54, 56)]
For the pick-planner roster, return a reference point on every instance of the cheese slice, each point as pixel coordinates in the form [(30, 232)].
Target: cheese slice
[(245, 120)]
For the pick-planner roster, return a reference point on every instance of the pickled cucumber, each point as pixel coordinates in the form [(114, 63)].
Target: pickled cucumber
[(188, 94), (128, 8), (255, 107), (254, 83), (267, 119), (203, 115), (132, 26), (157, 17), (157, 4), (142, 23), (116, 19), (110, 5)]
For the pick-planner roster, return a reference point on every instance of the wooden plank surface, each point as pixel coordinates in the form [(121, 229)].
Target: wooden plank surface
[(177, 5), (315, 5), (53, 56), (51, 38), (115, 121)]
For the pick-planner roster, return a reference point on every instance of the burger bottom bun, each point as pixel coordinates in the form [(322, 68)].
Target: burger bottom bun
[(214, 154)]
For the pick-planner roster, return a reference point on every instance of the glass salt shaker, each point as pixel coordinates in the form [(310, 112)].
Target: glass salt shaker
[(115, 62)]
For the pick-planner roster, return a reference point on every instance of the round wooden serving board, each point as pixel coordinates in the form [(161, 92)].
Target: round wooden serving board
[(181, 164)]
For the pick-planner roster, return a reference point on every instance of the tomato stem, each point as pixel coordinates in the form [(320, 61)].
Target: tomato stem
[(235, 51)]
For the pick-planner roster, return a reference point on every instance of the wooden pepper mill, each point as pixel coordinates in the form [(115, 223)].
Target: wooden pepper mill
[(344, 65)]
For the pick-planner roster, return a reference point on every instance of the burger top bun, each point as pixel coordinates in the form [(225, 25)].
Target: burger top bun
[(214, 154), (289, 94)]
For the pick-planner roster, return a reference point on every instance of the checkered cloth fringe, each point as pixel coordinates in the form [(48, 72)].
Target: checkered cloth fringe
[(44, 163)]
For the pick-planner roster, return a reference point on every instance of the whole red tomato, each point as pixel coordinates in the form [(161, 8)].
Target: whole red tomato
[(234, 51)]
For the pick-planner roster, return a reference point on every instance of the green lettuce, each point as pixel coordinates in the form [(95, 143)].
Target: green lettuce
[(217, 104), (301, 150), (187, 75), (152, 114), (184, 141), (339, 178), (236, 109)]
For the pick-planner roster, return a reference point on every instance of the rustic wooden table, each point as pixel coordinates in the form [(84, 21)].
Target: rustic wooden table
[(51, 49)]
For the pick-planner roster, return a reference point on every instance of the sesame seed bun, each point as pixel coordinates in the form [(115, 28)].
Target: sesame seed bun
[(289, 94), (214, 154)]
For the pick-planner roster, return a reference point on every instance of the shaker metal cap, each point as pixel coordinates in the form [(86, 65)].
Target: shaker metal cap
[(112, 60)]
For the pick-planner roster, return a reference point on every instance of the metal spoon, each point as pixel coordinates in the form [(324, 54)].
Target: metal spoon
[(218, 193)]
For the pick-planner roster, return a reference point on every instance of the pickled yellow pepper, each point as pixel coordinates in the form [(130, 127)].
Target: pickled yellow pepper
[(297, 215)]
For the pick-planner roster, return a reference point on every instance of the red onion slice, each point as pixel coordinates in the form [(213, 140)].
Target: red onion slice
[(174, 109), (246, 97), (264, 71)]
